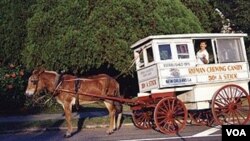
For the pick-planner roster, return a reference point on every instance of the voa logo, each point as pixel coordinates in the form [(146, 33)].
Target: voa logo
[(236, 132)]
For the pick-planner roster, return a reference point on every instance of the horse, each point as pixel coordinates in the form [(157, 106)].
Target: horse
[(69, 90)]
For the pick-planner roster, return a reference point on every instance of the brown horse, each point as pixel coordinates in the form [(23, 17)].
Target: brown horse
[(69, 90)]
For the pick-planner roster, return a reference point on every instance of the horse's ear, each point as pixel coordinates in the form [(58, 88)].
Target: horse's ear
[(35, 71), (38, 71), (41, 71)]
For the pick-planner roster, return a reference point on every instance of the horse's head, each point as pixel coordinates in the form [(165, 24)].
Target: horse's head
[(35, 85)]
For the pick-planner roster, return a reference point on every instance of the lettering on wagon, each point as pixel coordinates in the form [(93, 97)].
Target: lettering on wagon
[(222, 72), (214, 69), (149, 83)]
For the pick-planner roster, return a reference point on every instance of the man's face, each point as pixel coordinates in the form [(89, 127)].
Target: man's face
[(203, 45)]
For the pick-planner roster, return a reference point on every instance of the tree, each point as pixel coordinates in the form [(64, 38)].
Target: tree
[(13, 19), (237, 12), (209, 18), (82, 35), (14, 14)]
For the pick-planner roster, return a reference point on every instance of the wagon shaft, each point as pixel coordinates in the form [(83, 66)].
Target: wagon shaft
[(103, 97)]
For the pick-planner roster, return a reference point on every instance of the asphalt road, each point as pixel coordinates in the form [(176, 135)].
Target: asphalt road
[(126, 133)]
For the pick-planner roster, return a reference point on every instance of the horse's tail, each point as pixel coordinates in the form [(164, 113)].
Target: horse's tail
[(119, 110)]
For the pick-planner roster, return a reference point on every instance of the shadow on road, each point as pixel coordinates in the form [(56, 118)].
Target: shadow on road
[(82, 114)]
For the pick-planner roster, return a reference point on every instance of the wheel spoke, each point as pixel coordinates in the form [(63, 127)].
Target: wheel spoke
[(165, 106), (173, 105), (237, 117), (179, 113), (161, 117), (164, 110), (225, 100), (240, 114), (181, 122), (235, 93), (226, 94), (237, 99), (162, 121), (219, 104)]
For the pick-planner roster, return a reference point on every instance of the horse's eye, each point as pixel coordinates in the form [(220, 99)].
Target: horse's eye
[(34, 81)]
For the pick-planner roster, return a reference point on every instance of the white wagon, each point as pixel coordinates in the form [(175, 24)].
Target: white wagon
[(173, 85)]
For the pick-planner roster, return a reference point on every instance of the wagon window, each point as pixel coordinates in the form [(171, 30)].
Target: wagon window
[(139, 58), (229, 50), (165, 52), (182, 51), (150, 55), (209, 48)]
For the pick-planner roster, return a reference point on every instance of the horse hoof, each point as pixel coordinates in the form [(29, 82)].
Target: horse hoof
[(118, 128), (67, 135), (109, 132)]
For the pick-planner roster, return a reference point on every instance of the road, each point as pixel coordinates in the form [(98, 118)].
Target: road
[(126, 133)]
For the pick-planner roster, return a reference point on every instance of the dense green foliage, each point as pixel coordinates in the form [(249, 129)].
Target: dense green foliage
[(74, 35), (82, 36), (208, 17), (13, 19), (237, 11)]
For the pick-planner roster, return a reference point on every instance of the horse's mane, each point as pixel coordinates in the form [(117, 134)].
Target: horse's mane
[(68, 76), (51, 72)]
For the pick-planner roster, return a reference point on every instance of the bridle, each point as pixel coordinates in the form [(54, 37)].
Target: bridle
[(35, 78)]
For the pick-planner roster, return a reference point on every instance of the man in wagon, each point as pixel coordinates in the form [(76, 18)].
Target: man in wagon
[(202, 55)]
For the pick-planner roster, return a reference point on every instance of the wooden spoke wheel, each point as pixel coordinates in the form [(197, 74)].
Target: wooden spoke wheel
[(170, 115), (143, 119), (202, 117), (231, 105)]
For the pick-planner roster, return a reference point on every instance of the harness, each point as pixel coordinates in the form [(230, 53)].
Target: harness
[(57, 84)]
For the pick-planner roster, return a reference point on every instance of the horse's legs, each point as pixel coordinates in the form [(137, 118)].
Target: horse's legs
[(112, 113), (118, 122), (118, 115), (68, 111)]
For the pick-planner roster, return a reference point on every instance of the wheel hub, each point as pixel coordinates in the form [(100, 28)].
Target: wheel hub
[(232, 106), (170, 115)]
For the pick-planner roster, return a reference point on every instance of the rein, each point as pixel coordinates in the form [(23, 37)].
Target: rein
[(132, 64)]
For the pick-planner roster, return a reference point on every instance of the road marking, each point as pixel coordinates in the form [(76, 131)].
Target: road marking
[(207, 132), (172, 138)]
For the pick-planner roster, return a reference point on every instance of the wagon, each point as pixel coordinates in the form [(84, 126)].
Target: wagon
[(173, 86)]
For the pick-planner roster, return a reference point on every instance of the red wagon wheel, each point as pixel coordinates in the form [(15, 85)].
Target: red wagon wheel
[(231, 105), (170, 115), (202, 117), (143, 119)]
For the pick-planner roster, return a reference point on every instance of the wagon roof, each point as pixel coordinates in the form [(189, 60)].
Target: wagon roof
[(193, 35)]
